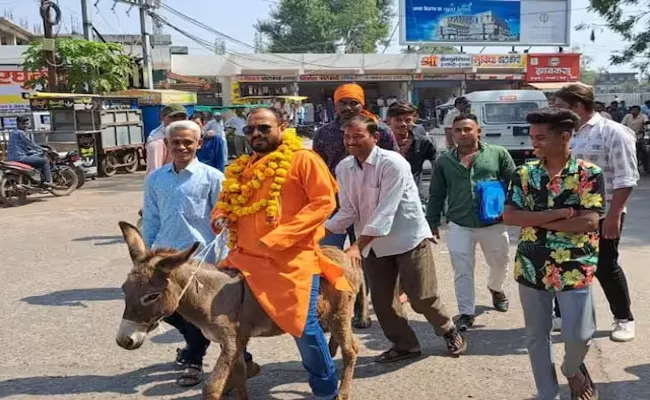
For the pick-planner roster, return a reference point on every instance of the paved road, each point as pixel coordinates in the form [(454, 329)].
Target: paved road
[(63, 261)]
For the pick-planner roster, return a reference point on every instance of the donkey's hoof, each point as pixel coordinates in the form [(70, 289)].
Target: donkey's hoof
[(362, 323)]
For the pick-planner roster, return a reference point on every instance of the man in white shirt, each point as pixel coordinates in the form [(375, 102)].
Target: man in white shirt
[(612, 147), (216, 126), (237, 123), (461, 105), (635, 120), (379, 196)]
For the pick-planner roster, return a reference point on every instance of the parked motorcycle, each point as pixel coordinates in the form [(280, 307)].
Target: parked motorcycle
[(643, 148), (18, 180)]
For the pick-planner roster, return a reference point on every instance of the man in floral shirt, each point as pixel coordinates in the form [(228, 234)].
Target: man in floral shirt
[(557, 201)]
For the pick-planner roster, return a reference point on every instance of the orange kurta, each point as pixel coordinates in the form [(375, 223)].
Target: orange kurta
[(279, 262)]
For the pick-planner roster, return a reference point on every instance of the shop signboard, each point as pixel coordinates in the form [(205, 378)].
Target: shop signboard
[(499, 77), (446, 61), (439, 77), (513, 61), (265, 78), (485, 22), (557, 67)]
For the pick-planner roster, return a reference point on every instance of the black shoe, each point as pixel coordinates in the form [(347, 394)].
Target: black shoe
[(464, 322), (500, 301)]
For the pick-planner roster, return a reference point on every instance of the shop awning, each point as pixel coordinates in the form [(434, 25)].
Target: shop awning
[(548, 86)]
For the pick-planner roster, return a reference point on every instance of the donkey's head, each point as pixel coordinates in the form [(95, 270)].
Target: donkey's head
[(149, 294)]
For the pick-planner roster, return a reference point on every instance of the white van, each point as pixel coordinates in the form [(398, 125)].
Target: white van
[(502, 116)]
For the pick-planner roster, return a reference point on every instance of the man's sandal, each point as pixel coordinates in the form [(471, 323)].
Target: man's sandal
[(192, 375), (588, 389), (394, 355), (456, 344)]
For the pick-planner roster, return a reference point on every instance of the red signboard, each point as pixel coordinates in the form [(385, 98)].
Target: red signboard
[(557, 67)]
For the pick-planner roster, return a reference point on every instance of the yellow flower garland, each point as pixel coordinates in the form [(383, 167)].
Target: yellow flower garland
[(238, 188)]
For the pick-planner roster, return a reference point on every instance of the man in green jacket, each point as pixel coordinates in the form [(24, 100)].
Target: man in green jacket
[(455, 177)]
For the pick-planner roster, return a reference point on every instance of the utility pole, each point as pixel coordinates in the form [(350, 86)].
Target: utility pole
[(49, 46), (144, 5), (146, 45), (87, 22)]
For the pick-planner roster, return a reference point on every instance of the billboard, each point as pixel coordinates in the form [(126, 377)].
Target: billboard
[(560, 67), (485, 22)]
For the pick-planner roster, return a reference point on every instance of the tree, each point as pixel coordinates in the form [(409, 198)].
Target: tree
[(319, 26), (620, 16), (82, 64), (431, 49), (587, 74)]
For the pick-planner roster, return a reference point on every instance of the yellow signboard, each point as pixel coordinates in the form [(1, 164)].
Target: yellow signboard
[(517, 61), (235, 96), (161, 97)]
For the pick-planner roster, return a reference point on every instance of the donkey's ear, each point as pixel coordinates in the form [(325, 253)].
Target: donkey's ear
[(174, 261), (134, 241)]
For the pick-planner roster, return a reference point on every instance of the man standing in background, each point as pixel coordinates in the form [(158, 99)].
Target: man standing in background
[(413, 142), (237, 122), (635, 120), (157, 154), (612, 147), (599, 107), (461, 105)]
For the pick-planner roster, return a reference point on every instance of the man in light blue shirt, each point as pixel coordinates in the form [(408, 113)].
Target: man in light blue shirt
[(178, 199)]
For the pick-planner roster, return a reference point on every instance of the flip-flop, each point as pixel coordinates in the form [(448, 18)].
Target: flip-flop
[(394, 355)]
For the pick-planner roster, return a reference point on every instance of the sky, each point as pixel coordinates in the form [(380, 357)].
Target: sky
[(236, 19)]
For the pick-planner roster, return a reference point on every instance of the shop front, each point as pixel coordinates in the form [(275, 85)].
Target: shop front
[(319, 89)]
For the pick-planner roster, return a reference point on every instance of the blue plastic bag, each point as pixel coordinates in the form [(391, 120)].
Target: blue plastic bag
[(491, 199)]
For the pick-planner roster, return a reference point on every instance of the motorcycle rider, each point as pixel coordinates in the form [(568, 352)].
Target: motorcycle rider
[(24, 150)]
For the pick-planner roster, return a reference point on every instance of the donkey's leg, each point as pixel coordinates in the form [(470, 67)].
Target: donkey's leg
[(362, 320), (216, 383), (239, 374), (342, 330)]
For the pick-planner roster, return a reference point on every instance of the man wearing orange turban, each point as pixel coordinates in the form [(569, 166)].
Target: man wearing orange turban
[(349, 101)]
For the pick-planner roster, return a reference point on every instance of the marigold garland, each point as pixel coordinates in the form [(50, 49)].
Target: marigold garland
[(239, 187)]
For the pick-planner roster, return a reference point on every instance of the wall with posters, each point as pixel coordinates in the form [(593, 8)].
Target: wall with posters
[(557, 67), (484, 22)]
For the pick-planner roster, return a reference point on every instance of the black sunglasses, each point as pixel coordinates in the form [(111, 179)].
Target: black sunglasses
[(264, 129)]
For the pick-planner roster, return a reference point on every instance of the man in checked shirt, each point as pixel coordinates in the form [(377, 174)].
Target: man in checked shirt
[(612, 147)]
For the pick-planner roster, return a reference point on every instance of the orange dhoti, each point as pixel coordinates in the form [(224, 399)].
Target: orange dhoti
[(279, 260)]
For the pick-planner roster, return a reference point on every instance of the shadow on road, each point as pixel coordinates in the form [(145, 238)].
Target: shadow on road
[(74, 297), (126, 383), (101, 240)]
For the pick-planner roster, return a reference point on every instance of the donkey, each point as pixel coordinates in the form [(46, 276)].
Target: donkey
[(221, 304)]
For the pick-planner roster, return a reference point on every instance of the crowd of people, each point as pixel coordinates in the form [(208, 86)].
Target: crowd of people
[(360, 185)]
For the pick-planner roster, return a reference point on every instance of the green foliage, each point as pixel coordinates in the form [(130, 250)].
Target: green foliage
[(628, 19), (431, 49), (317, 26), (103, 66)]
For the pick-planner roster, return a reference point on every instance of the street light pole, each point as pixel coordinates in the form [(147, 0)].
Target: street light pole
[(146, 45), (87, 23), (48, 43)]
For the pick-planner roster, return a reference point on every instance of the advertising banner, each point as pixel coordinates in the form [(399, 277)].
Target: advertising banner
[(560, 67), (485, 22), (499, 61), (446, 61)]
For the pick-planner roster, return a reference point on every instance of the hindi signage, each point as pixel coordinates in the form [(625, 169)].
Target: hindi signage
[(446, 61), (499, 61), (559, 67)]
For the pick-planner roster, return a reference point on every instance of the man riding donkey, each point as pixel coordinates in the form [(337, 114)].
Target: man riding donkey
[(275, 204)]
